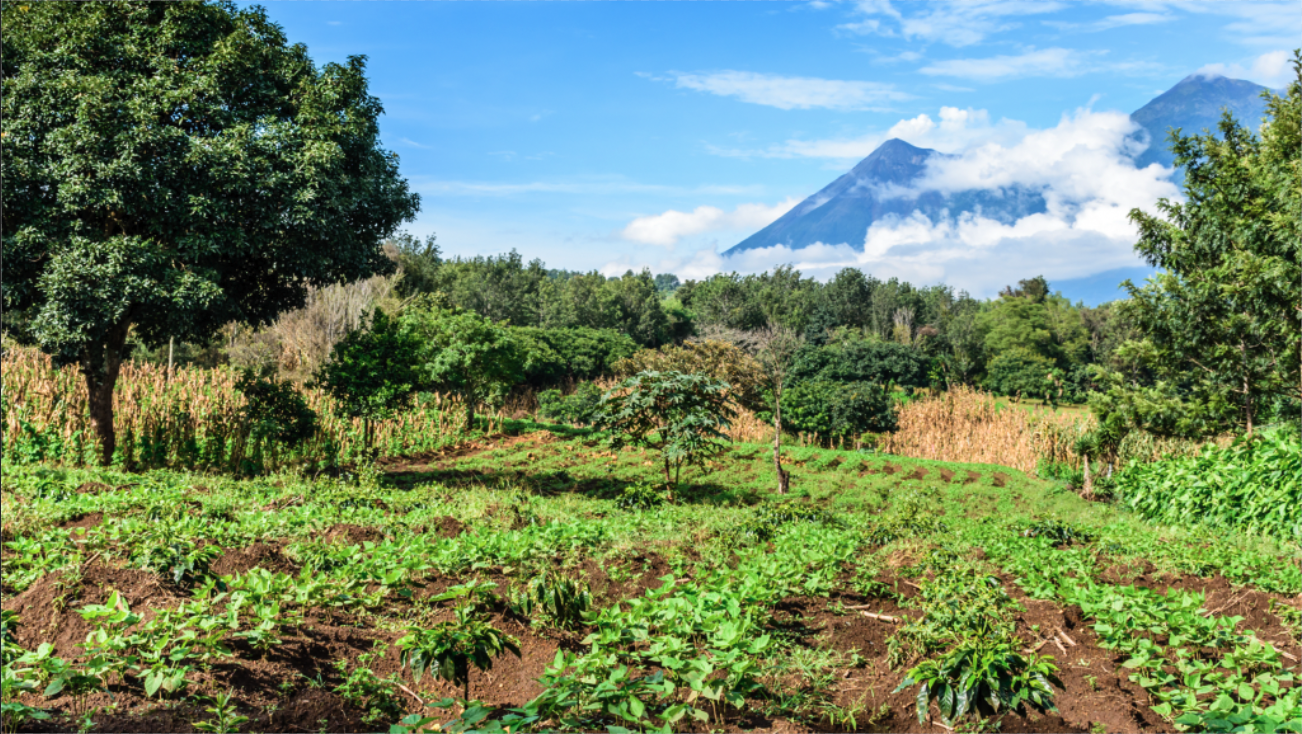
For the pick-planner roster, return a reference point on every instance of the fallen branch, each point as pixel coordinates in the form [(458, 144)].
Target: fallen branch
[(882, 617), (408, 691), (1065, 638)]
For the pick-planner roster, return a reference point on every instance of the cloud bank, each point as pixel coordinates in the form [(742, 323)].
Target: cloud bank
[(1271, 69)]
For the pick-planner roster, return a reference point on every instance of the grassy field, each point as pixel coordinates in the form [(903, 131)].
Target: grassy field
[(168, 601)]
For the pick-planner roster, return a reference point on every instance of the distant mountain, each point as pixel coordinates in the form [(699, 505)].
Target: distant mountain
[(843, 210), (1193, 105)]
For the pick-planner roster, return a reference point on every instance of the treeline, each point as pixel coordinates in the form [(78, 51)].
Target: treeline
[(1027, 341)]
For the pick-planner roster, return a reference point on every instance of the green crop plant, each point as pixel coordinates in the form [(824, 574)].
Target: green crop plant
[(556, 600), (639, 497), (362, 688), (982, 672), (451, 648), (225, 719)]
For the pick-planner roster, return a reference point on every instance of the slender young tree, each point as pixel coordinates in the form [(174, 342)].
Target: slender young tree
[(775, 348), (173, 167)]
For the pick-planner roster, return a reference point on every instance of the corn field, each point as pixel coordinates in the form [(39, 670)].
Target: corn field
[(193, 420), (967, 425)]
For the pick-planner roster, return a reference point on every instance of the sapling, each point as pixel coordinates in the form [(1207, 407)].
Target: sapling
[(451, 648)]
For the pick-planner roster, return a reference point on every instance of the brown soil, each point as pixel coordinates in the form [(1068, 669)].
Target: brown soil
[(258, 555), (446, 527), (84, 521), (353, 534), (1000, 479), (918, 473), (971, 476), (946, 475), (890, 468)]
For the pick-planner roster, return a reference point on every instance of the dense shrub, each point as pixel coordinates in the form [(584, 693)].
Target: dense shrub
[(833, 410), (1254, 484), (862, 360), (1020, 372), (555, 355), (275, 409), (577, 408)]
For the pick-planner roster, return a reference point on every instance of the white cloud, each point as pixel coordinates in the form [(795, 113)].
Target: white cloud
[(960, 23), (954, 129), (1271, 69), (1055, 62), (1112, 21), (414, 144), (793, 92), (1082, 167), (665, 230)]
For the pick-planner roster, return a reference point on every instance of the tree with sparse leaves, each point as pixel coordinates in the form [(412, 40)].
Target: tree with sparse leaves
[(173, 167)]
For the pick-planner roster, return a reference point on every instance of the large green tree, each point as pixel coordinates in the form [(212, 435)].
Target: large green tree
[(172, 167), (463, 353), (1220, 323)]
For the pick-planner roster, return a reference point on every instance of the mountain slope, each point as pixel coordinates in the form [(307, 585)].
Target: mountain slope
[(843, 210), (1193, 105)]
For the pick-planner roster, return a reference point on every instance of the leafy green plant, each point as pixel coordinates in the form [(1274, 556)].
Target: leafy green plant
[(555, 599), (982, 672), (639, 496), (682, 416), (1057, 531), (165, 551), (838, 410), (451, 648), (772, 518), (362, 688), (579, 408), (225, 719), (276, 410), (372, 371), (1253, 484)]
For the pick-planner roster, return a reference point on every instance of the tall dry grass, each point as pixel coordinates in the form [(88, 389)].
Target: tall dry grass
[(193, 420), (967, 425)]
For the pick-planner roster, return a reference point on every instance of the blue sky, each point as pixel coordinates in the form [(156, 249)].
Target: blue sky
[(609, 135)]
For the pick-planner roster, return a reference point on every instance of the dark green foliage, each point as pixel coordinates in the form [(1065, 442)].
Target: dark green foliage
[(578, 408), (419, 263), (189, 168), (555, 600), (639, 497), (897, 527), (463, 353), (1219, 323), (275, 409), (682, 416), (1253, 484), (553, 356), (862, 360), (1057, 531), (372, 371), (773, 518), (838, 410), (983, 673), (452, 647), (1023, 373)]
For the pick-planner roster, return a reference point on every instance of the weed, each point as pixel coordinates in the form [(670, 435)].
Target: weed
[(982, 673), (362, 688)]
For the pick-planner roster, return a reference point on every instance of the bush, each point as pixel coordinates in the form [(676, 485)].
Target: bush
[(862, 360), (555, 355), (276, 410), (1020, 372), (578, 408), (639, 497), (835, 410), (1254, 484)]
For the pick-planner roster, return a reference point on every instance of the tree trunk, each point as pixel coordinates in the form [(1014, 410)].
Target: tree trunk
[(783, 478), (669, 484), (1089, 481), (470, 414), (101, 371)]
